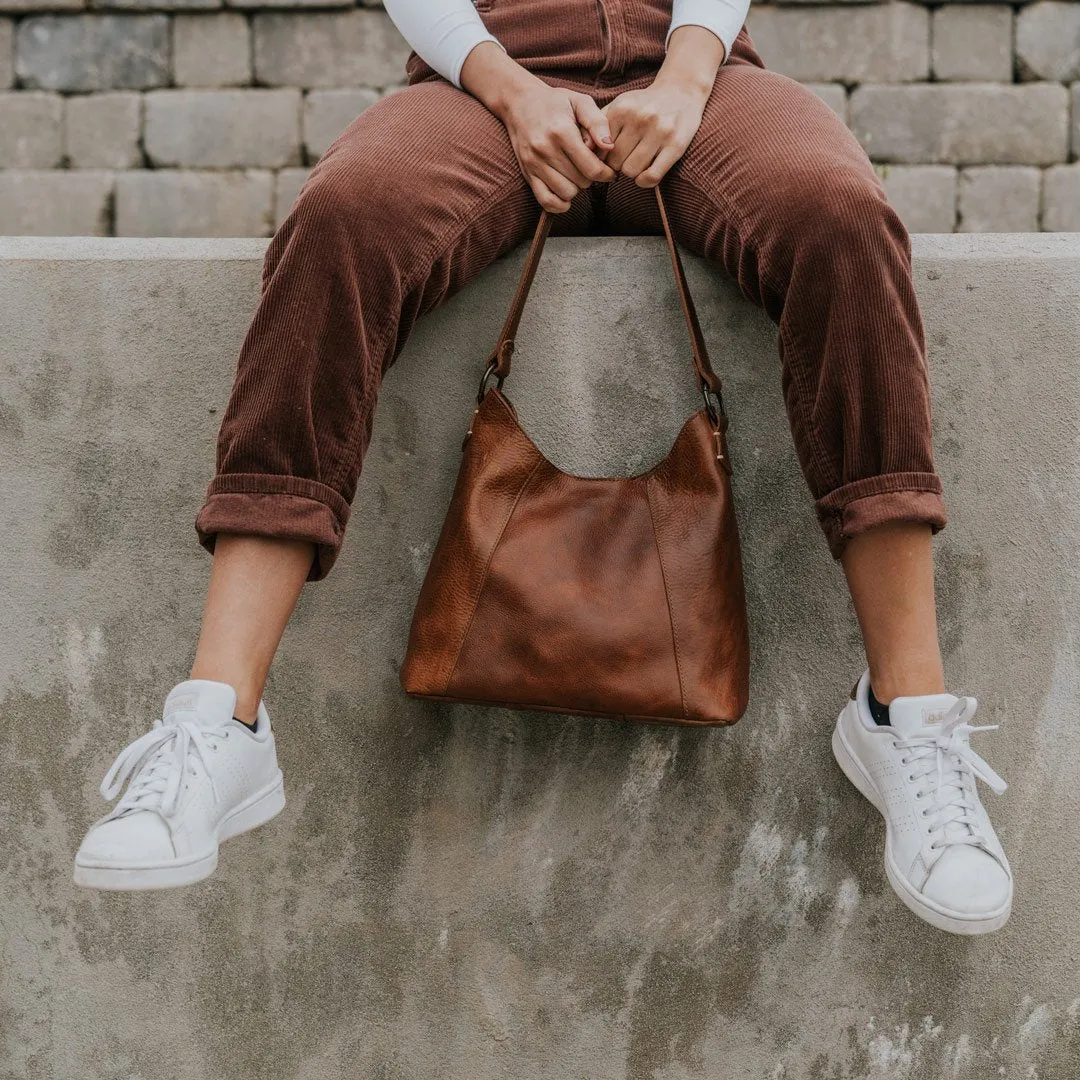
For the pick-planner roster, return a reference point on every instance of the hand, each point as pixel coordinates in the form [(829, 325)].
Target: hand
[(548, 129), (553, 131), (653, 127)]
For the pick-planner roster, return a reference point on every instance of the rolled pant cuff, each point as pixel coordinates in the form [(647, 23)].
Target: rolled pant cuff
[(283, 507), (894, 498)]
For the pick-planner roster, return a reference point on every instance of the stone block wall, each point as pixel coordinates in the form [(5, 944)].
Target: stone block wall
[(202, 117)]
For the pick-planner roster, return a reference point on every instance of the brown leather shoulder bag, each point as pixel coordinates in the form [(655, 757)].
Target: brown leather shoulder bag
[(604, 597)]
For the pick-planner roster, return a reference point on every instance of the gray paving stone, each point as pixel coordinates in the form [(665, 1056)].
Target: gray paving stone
[(167, 202), (1061, 198), (999, 198), (347, 49), (962, 123), (294, 4), (24, 7), (1048, 41), (923, 195), (55, 203), (153, 5), (1075, 112), (31, 130), (223, 128), (102, 131), (871, 43), (973, 42), (287, 185), (833, 94), (93, 52), (328, 112), (211, 50), (7, 53)]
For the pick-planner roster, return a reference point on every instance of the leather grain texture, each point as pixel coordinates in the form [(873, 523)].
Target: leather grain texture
[(616, 597), (496, 464)]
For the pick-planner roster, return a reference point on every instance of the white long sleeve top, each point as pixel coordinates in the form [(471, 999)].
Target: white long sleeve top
[(444, 32)]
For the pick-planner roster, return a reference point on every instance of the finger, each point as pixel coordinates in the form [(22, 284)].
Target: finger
[(659, 168), (585, 163), (587, 139), (564, 157), (642, 156), (591, 117), (547, 198), (615, 125), (625, 143), (555, 181)]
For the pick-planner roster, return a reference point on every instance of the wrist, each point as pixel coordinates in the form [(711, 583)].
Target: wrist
[(694, 56), (494, 79)]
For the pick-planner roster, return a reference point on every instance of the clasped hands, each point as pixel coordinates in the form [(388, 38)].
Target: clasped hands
[(565, 142)]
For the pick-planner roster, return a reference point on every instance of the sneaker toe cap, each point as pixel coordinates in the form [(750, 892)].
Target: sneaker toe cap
[(969, 881), (137, 838)]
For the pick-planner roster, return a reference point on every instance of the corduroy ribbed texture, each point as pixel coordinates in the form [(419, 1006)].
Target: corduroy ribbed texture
[(423, 191)]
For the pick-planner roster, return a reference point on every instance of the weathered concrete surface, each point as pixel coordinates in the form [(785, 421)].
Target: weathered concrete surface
[(457, 894)]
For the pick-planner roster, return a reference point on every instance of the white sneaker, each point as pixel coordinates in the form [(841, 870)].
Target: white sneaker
[(942, 856), (197, 777)]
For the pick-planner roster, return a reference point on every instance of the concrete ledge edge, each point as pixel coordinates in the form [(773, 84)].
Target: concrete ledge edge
[(981, 246)]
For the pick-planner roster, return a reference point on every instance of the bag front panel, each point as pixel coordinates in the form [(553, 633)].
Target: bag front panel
[(573, 614)]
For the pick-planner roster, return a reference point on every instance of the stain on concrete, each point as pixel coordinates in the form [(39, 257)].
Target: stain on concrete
[(11, 424), (90, 509), (45, 380)]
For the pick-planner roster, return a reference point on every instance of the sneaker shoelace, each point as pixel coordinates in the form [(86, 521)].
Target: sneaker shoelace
[(156, 764), (946, 759)]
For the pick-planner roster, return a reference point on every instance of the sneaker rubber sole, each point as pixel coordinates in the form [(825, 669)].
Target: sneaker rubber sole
[(953, 922), (256, 810)]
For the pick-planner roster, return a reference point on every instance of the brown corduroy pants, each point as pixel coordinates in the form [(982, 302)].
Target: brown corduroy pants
[(423, 191)]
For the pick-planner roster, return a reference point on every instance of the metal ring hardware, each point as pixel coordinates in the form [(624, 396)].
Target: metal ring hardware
[(714, 409), (488, 372)]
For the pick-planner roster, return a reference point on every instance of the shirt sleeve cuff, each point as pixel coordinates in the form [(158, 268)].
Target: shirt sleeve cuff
[(724, 18), (459, 43)]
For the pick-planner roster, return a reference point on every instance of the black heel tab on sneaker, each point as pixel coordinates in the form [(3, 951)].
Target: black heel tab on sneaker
[(879, 712)]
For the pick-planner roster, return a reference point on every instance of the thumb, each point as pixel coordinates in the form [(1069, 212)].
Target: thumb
[(589, 116)]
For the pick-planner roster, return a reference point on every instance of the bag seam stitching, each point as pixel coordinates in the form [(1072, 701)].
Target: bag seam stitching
[(667, 600), (487, 570)]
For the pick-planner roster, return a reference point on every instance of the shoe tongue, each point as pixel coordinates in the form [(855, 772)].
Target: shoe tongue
[(919, 715), (208, 703)]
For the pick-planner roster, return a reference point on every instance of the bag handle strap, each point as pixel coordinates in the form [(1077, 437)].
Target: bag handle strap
[(499, 361)]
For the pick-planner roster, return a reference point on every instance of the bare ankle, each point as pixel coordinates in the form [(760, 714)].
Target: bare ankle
[(908, 681), (246, 713), (247, 695)]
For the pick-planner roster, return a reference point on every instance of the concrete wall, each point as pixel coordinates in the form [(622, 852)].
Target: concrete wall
[(202, 117), (461, 894)]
